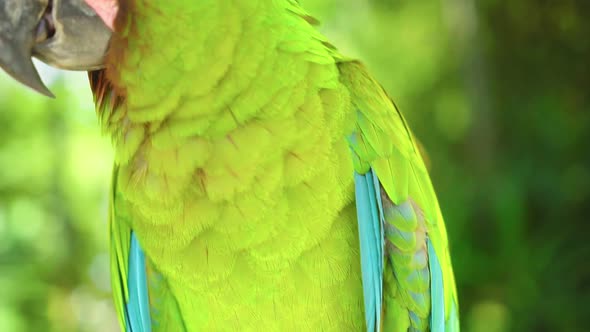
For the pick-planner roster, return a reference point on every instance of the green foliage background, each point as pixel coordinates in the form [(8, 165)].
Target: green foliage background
[(497, 92)]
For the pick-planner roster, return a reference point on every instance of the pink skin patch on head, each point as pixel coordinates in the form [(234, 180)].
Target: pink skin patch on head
[(106, 9)]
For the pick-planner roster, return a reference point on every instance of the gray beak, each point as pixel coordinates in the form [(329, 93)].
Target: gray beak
[(65, 34), (19, 20)]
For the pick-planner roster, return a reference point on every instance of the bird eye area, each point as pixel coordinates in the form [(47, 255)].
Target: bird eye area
[(46, 27)]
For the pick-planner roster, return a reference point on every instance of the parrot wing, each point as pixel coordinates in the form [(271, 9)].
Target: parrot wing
[(408, 281)]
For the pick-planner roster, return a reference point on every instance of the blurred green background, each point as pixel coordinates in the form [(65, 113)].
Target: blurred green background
[(496, 91)]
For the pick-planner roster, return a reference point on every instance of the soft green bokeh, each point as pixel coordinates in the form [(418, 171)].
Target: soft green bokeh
[(497, 92), (54, 175)]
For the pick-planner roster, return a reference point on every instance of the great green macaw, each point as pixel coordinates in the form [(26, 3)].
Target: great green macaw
[(262, 180)]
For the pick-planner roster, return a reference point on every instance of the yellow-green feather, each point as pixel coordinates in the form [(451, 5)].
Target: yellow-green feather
[(235, 173)]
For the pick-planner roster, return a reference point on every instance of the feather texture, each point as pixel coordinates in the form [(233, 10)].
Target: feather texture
[(418, 283), (437, 313), (234, 162), (164, 312), (138, 305), (371, 247)]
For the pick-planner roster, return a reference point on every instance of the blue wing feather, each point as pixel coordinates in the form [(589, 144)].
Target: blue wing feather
[(368, 205), (138, 310), (437, 297)]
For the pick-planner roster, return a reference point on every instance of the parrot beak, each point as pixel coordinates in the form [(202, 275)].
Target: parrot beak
[(17, 39), (66, 34)]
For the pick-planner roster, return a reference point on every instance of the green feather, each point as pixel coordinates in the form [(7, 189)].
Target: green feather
[(231, 123)]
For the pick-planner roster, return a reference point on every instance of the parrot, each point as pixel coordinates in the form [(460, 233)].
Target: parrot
[(262, 180)]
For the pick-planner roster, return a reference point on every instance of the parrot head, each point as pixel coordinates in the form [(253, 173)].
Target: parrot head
[(67, 34)]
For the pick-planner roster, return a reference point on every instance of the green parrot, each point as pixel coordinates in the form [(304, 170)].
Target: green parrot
[(262, 180)]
